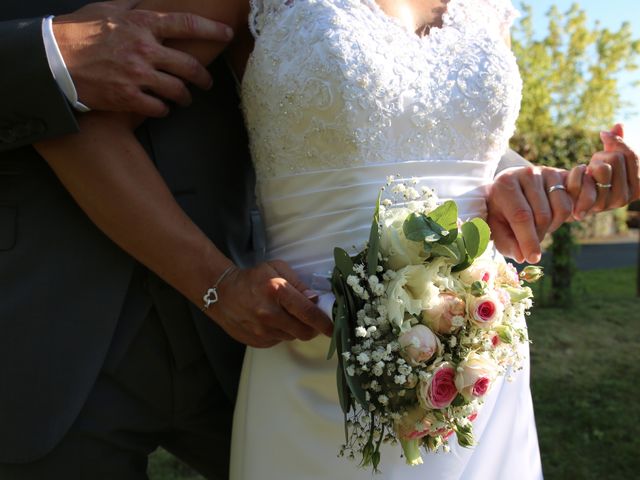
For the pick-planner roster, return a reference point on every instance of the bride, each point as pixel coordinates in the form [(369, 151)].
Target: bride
[(338, 95)]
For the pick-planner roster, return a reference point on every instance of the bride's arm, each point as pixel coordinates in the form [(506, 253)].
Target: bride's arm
[(110, 176)]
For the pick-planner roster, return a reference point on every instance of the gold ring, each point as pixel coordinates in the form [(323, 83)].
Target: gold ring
[(558, 186)]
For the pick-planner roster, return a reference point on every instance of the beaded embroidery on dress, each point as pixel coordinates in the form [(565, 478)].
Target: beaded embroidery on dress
[(337, 95), (339, 82)]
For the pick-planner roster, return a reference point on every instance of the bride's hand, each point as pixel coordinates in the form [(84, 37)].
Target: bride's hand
[(611, 180), (524, 204), (267, 304)]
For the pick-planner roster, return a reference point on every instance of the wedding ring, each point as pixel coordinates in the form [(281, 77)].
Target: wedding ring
[(603, 185), (558, 186)]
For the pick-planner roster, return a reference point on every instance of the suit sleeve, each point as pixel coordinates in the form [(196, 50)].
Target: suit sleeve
[(32, 107)]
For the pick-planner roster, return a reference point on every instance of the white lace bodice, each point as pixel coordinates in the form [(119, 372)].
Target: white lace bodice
[(336, 83)]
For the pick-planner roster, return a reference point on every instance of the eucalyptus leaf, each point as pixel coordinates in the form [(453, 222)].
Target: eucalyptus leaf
[(446, 215), (484, 233), (449, 251), (471, 236), (419, 228), (450, 238)]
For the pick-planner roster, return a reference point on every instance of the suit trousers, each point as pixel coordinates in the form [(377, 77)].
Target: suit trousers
[(145, 401)]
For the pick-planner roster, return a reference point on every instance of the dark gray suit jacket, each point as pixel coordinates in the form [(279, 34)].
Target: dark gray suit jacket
[(62, 282)]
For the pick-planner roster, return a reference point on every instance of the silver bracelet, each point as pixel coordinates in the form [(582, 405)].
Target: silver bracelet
[(212, 296)]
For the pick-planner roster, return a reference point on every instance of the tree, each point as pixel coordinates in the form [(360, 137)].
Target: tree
[(571, 90), (571, 76)]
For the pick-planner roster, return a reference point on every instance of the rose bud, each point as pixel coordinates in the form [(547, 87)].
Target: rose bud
[(485, 311), (418, 345), (439, 391), (439, 315), (531, 274), (475, 376)]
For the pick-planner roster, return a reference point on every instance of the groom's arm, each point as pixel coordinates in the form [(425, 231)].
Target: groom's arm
[(106, 55), (110, 176), (32, 107)]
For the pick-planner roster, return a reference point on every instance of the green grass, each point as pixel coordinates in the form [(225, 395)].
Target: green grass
[(586, 379), (585, 383)]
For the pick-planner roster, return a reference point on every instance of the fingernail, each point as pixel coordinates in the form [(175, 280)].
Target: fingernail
[(311, 294), (228, 31), (581, 215), (210, 85)]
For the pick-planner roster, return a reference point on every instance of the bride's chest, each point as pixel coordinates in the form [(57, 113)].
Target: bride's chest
[(344, 76)]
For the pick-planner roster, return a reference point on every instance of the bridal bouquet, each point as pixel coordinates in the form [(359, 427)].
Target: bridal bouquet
[(425, 319)]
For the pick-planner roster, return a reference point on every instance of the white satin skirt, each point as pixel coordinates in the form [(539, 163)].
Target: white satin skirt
[(288, 424)]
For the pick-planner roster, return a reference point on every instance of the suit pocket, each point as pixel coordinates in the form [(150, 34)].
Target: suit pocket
[(8, 227)]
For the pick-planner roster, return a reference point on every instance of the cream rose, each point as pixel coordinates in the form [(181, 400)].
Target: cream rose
[(482, 270), (418, 345), (475, 376), (440, 313)]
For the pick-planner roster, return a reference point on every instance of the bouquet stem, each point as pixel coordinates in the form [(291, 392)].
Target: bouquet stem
[(411, 450)]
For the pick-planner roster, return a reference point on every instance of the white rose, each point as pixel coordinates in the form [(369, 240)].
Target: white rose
[(418, 345), (408, 292), (394, 245)]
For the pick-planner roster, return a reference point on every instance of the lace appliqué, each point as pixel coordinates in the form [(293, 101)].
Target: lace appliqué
[(335, 83)]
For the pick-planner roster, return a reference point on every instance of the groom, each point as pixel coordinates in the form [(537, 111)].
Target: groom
[(100, 360)]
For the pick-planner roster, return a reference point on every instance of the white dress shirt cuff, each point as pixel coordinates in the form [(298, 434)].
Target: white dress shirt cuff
[(58, 67)]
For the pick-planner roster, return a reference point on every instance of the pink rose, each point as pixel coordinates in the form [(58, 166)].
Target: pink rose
[(440, 390), (481, 387), (418, 345), (475, 376), (486, 310), (439, 316)]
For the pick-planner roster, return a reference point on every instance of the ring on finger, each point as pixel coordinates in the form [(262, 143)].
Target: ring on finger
[(553, 188), (603, 185)]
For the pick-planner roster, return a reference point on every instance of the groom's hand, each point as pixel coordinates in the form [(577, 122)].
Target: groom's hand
[(118, 62), (521, 210), (267, 304)]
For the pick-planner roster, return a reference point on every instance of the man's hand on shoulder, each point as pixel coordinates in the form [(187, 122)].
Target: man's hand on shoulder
[(118, 62)]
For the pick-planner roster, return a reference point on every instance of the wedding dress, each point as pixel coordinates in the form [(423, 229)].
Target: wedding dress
[(337, 96)]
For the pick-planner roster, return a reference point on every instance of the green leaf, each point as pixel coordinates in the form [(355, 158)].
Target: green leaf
[(446, 215), (484, 235), (449, 239), (343, 261), (374, 240), (471, 236), (449, 251), (419, 228), (476, 234)]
